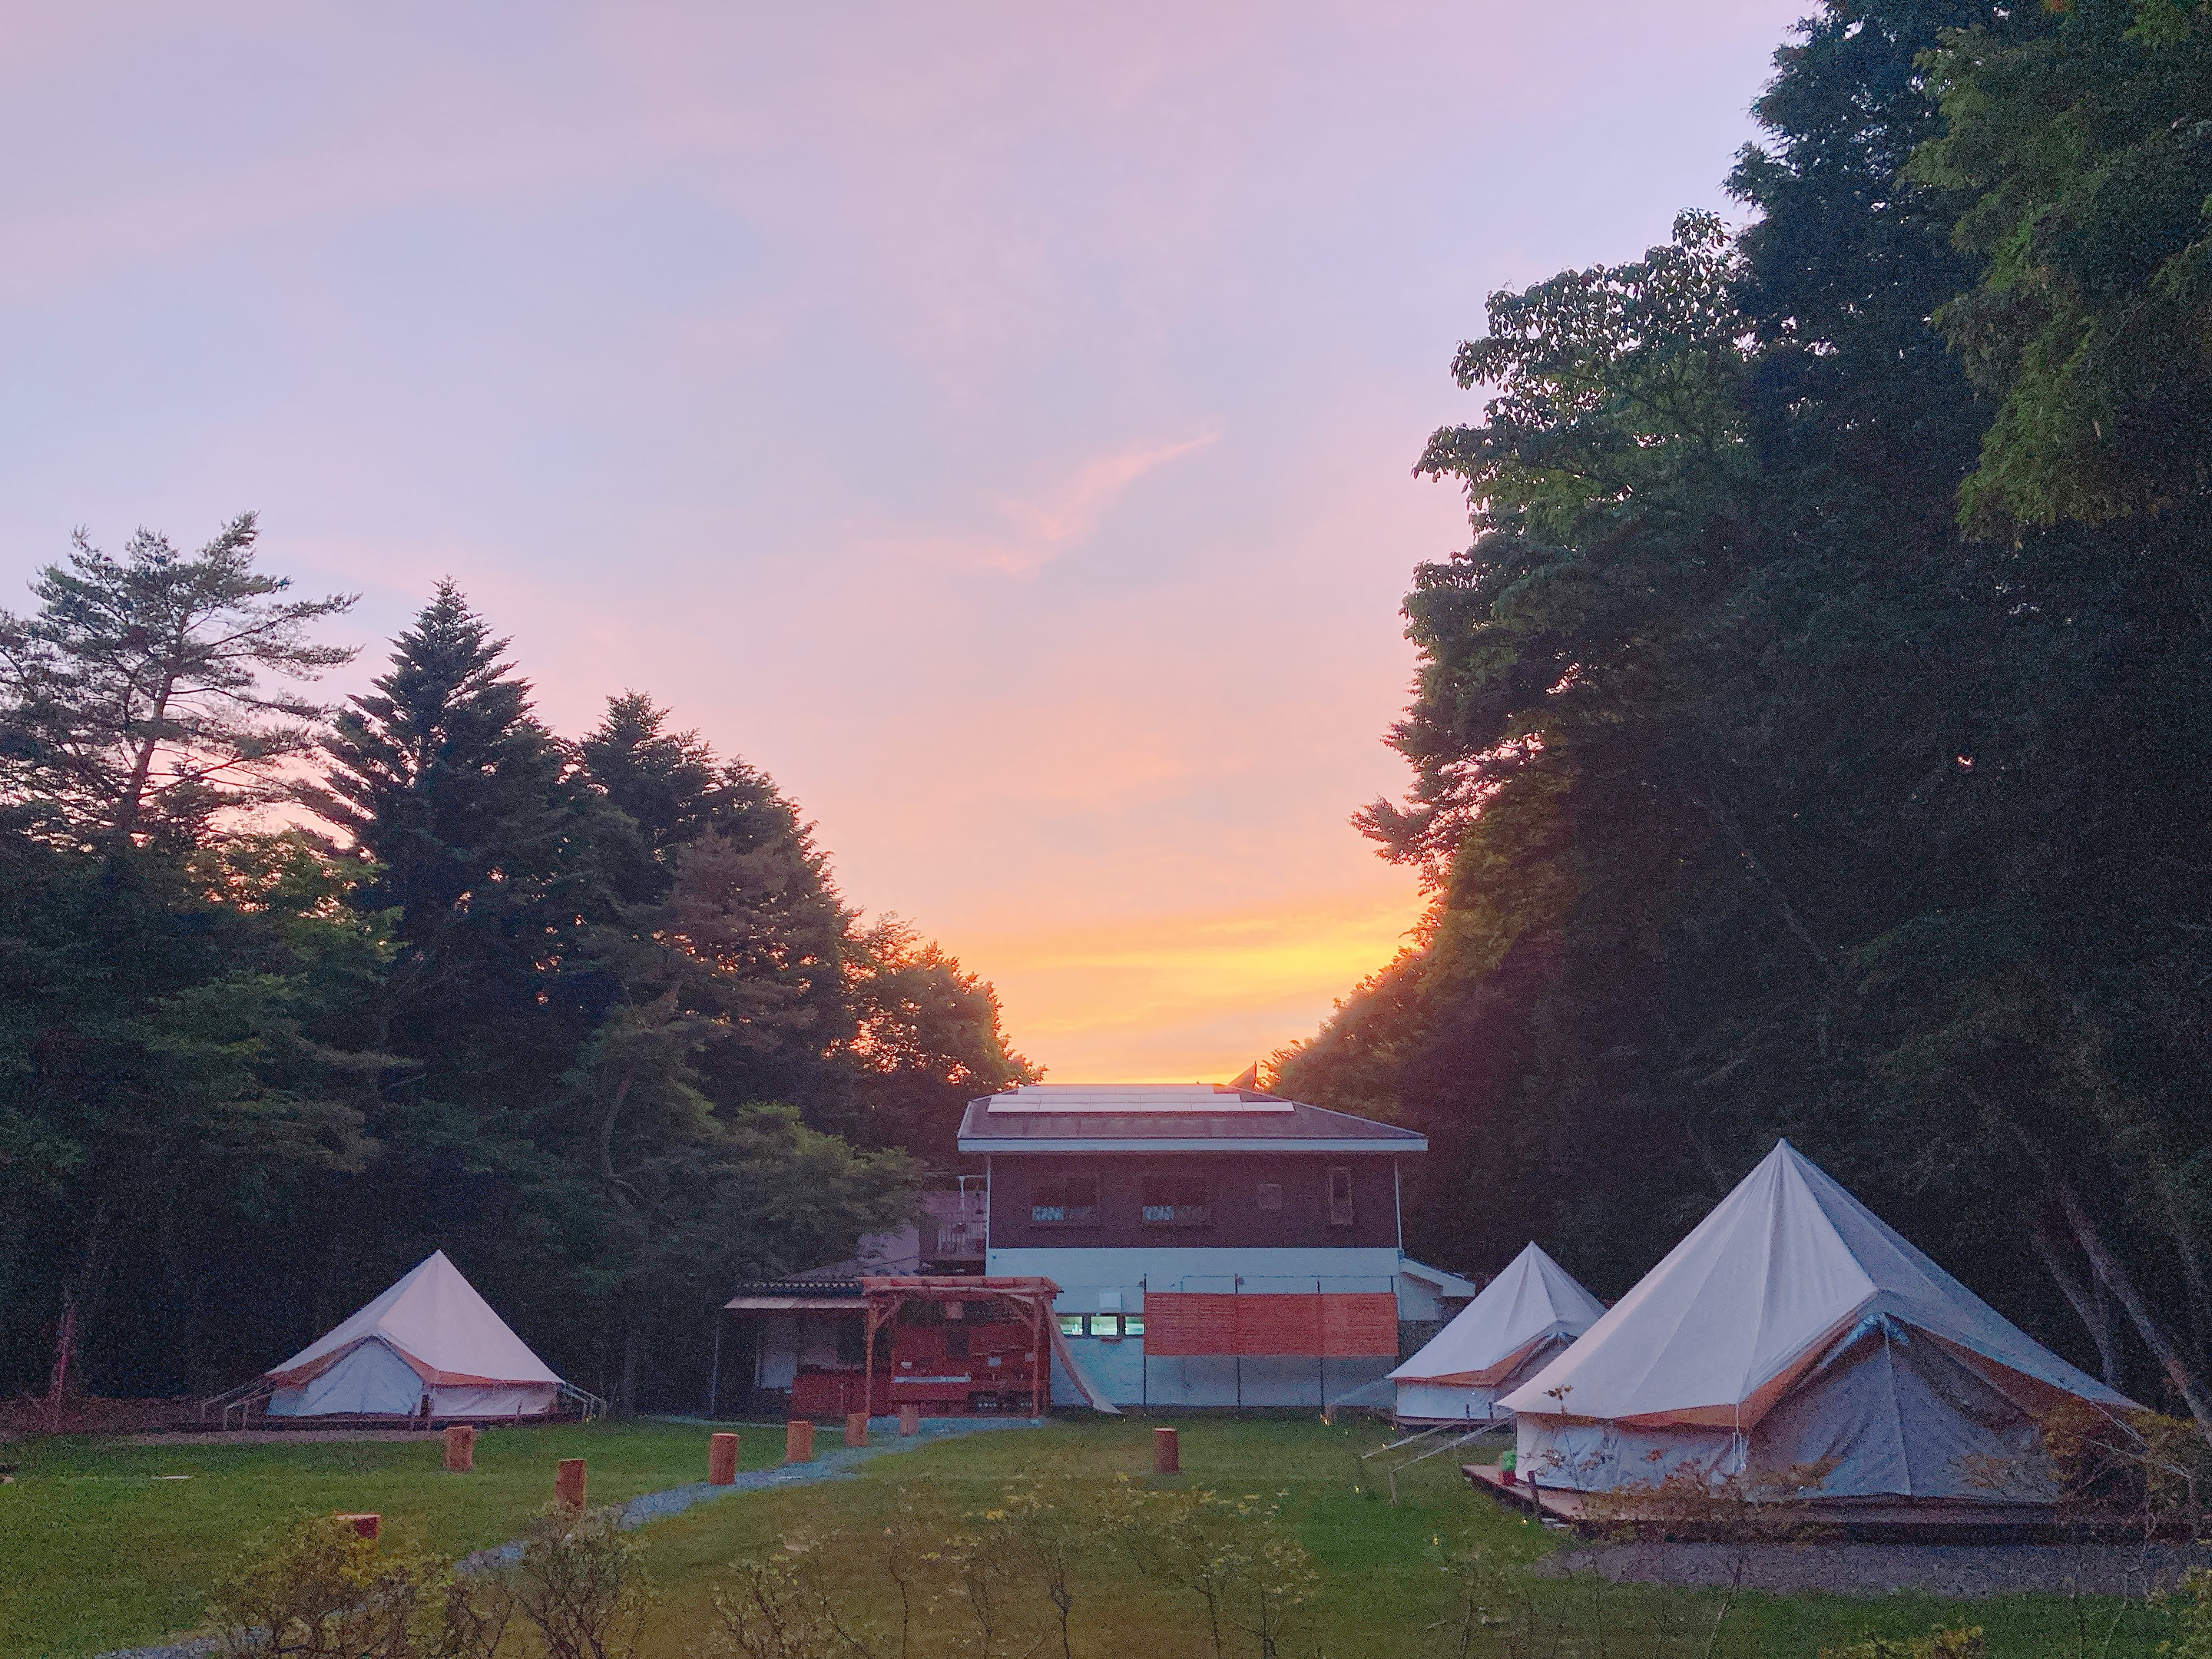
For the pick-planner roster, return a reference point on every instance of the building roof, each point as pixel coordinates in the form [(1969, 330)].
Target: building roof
[(1197, 1117)]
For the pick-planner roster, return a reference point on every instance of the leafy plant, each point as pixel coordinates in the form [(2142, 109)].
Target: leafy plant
[(321, 1588)]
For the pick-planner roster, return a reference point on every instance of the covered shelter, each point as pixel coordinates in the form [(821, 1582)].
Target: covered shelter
[(429, 1347), (1522, 1320), (1796, 1347), (952, 1343)]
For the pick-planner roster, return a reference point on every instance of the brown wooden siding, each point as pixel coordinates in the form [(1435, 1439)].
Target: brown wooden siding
[(1233, 1184)]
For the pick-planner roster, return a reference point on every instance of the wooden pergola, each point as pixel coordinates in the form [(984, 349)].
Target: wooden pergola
[(1034, 1295)]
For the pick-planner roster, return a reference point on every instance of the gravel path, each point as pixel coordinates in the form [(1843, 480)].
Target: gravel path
[(836, 1463), (281, 1437), (1968, 1572)]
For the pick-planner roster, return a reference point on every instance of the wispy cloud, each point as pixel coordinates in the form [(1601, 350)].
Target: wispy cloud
[(1033, 530)]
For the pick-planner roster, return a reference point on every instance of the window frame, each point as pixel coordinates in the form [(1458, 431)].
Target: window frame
[(1342, 1210), (1178, 1210), (1050, 1191)]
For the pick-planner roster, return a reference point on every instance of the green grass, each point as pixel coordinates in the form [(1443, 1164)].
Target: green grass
[(1384, 1582), (98, 1550), (95, 1553)]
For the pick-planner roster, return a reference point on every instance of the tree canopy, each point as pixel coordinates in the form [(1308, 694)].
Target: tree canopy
[(1809, 740), (592, 1016)]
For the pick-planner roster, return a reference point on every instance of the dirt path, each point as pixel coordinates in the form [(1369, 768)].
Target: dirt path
[(282, 1437)]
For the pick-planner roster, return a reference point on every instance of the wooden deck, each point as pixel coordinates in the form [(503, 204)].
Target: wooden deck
[(1548, 1505)]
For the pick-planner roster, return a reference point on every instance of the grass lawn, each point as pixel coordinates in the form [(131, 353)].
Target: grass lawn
[(97, 1550), (1385, 1584), (95, 1553)]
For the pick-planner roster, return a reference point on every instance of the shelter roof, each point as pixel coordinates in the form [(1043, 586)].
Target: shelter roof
[(1059, 1117), (1533, 1301), (958, 1287), (1787, 1268), (436, 1321)]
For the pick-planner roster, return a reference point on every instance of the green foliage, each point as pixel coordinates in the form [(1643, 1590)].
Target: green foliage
[(1960, 1642), (322, 1589), (1752, 795), (134, 704), (2191, 1608), (1616, 392), (580, 1585), (592, 1017), (2082, 140)]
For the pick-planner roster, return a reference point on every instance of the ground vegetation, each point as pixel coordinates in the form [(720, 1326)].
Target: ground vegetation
[(1054, 1541)]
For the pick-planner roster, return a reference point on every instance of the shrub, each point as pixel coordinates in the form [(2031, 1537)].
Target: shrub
[(322, 1589), (580, 1585), (2149, 1467), (1964, 1643)]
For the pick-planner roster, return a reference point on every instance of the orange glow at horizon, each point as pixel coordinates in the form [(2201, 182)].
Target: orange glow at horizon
[(1188, 999)]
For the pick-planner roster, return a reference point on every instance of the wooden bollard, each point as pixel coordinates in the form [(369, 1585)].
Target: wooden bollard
[(366, 1525), (722, 1460), (461, 1449), (1167, 1452), (569, 1486), (910, 1420), (856, 1428), (798, 1441)]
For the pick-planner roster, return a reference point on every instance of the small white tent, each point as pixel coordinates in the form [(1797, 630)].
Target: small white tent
[(1521, 1320), (430, 1337), (1793, 1329)]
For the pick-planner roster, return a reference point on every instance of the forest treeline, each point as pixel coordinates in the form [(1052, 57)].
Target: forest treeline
[(589, 1015), (1816, 737)]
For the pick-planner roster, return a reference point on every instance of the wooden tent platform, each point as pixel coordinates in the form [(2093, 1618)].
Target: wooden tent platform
[(1899, 1521)]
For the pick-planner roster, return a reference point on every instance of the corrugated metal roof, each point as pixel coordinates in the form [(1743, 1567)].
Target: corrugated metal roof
[(1301, 1127)]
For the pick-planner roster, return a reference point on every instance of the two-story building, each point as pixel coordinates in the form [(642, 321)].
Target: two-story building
[(1215, 1246)]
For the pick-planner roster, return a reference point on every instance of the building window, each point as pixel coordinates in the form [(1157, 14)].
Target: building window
[(1175, 1201), (1071, 1324), (1064, 1200), (1271, 1194), (1132, 1324), (1106, 1325), (1340, 1197)]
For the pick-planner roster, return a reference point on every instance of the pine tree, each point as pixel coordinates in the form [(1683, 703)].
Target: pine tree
[(136, 700)]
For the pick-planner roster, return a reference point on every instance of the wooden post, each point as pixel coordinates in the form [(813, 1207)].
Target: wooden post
[(877, 1318), (798, 1441), (909, 1419), (1041, 1395), (570, 1484), (715, 1372), (365, 1526), (722, 1460), (856, 1428), (461, 1449), (1167, 1452)]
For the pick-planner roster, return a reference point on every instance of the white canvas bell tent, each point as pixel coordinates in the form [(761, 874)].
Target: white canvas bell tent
[(1793, 1329), (430, 1337), (1519, 1322)]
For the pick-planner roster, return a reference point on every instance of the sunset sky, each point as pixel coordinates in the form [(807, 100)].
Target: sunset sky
[(995, 420)]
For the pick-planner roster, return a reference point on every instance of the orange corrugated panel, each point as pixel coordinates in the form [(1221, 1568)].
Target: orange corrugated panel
[(1180, 1322), (1279, 1324), (1337, 1324), (1364, 1324)]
